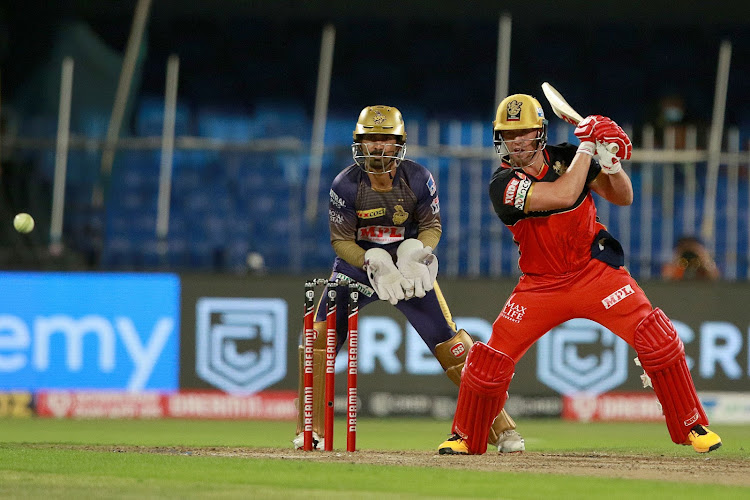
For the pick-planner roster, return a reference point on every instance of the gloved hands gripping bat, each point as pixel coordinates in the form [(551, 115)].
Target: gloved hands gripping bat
[(610, 141)]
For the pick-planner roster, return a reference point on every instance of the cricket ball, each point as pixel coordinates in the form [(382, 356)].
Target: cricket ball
[(24, 223)]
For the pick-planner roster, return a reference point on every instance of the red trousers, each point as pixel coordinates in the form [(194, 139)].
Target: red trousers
[(598, 292)]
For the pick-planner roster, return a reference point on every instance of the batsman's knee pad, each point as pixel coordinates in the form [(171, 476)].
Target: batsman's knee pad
[(482, 394), (319, 369), (662, 356)]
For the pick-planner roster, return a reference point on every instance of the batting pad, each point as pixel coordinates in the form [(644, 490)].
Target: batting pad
[(662, 355), (452, 354), (482, 394)]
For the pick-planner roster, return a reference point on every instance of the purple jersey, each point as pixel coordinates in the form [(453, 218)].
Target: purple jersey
[(373, 218)]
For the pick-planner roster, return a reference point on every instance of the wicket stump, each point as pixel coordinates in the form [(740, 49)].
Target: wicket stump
[(309, 339)]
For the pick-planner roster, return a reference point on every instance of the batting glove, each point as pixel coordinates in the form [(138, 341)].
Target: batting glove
[(609, 162), (617, 141), (586, 130)]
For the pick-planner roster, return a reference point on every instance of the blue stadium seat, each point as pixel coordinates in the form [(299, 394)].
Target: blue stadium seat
[(149, 117), (280, 119), (226, 125), (339, 131)]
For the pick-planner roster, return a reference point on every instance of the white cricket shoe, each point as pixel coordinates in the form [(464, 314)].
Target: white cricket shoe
[(510, 442), (299, 441)]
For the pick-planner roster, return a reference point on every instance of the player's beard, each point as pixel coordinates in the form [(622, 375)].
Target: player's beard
[(523, 159), (378, 165)]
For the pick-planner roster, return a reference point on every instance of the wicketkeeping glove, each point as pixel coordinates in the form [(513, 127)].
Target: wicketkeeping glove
[(417, 264), (384, 276)]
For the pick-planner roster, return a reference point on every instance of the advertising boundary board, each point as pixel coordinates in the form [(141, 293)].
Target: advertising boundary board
[(711, 318), (84, 330), (234, 340)]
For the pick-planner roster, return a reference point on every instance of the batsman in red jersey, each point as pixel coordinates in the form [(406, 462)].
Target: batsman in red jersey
[(572, 268)]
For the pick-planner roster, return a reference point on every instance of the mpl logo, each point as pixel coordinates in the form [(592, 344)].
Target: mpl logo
[(562, 366), (241, 343)]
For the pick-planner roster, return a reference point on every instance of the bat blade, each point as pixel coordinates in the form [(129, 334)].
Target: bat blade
[(565, 111), (560, 106)]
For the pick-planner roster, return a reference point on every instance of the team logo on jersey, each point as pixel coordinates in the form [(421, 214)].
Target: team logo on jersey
[(379, 117), (617, 296), (381, 234), (514, 111), (400, 215), (435, 205), (371, 214), (431, 187), (560, 167)]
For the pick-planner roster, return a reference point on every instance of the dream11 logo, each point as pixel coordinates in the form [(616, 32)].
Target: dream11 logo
[(241, 343), (561, 366)]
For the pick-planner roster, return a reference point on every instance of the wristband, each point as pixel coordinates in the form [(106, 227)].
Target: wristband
[(587, 147)]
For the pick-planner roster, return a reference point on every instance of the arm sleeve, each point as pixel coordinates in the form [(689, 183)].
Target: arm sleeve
[(350, 252), (429, 237)]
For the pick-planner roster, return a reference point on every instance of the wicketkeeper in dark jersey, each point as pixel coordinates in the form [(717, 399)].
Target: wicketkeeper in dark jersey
[(572, 268), (384, 218)]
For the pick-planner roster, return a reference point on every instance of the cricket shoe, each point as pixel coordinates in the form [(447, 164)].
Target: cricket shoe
[(702, 439), (510, 441), (454, 445), (317, 441)]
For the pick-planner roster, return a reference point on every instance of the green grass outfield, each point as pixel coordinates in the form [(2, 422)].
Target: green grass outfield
[(47, 458)]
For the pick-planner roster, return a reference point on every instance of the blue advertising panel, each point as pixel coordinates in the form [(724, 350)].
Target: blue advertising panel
[(89, 331)]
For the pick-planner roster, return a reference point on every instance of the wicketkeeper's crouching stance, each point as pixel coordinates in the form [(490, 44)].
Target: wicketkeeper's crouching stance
[(384, 218), (573, 268)]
